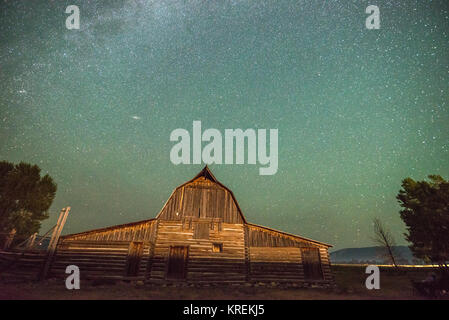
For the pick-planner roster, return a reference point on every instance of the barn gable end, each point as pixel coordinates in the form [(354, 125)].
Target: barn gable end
[(203, 197)]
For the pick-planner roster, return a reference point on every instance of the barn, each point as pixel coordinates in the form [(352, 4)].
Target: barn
[(199, 236)]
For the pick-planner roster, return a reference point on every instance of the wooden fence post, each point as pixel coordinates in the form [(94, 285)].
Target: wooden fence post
[(30, 243), (9, 239), (55, 230), (54, 241)]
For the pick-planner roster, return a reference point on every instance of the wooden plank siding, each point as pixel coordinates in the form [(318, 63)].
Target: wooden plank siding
[(98, 259), (262, 237), (281, 264), (249, 252), (203, 265), (138, 231), (326, 265), (105, 252), (201, 198)]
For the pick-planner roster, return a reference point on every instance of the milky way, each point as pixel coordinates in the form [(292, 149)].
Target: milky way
[(357, 110)]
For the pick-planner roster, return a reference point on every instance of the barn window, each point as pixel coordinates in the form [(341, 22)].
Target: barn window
[(201, 230), (217, 247)]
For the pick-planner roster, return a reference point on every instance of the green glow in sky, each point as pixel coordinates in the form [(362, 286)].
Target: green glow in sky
[(357, 110)]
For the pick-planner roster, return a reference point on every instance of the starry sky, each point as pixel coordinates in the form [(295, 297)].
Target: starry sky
[(357, 110)]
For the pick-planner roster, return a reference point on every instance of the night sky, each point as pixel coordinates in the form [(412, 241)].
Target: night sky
[(357, 110)]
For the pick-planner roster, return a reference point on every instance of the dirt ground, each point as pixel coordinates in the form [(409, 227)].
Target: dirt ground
[(350, 284)]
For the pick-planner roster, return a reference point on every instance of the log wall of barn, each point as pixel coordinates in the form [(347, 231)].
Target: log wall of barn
[(201, 198), (203, 264), (326, 264), (281, 249), (105, 253), (97, 259), (276, 264)]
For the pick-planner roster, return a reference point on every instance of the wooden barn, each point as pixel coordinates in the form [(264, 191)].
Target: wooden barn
[(199, 236)]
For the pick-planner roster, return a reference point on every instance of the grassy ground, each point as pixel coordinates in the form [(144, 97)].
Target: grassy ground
[(350, 283)]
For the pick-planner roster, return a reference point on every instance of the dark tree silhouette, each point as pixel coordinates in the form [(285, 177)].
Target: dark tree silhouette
[(25, 198), (425, 212)]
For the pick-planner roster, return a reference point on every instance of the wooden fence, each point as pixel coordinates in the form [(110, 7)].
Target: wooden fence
[(32, 258)]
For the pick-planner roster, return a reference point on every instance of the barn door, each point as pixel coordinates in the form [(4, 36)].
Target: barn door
[(177, 262), (134, 256), (311, 264)]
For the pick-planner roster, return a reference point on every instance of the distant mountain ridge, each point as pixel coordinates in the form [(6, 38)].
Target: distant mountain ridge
[(403, 255)]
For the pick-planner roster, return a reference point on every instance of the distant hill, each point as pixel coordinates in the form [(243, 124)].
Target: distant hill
[(372, 255)]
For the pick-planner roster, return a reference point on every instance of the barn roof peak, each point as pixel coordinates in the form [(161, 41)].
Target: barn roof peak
[(207, 174)]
